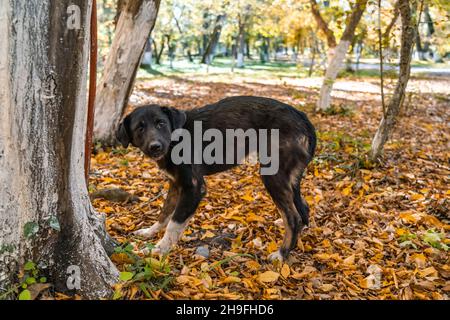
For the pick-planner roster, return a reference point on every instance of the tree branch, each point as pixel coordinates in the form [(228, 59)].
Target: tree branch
[(321, 23)]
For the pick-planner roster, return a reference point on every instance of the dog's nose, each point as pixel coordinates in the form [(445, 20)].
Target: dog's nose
[(155, 147)]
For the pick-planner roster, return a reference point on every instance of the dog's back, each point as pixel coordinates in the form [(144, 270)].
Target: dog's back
[(251, 112)]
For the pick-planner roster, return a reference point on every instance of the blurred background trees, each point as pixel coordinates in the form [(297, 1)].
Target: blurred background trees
[(323, 38)]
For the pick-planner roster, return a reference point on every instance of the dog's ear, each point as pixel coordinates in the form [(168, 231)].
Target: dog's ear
[(177, 117), (122, 133)]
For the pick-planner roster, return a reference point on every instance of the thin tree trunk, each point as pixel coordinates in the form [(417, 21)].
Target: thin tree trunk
[(240, 45), (133, 29), (388, 121), (247, 48), (161, 50), (340, 52), (208, 55), (313, 55), (45, 211), (388, 30)]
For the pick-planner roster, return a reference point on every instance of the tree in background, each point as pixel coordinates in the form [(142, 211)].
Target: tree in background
[(338, 52), (409, 29), (134, 26), (45, 212), (208, 55)]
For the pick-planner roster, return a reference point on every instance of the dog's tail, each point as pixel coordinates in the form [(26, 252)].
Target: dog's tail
[(309, 132)]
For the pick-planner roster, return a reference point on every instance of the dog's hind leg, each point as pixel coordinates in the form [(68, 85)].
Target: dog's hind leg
[(299, 201), (282, 194), (164, 217)]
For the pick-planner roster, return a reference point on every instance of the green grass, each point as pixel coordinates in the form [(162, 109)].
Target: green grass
[(220, 70), (222, 67)]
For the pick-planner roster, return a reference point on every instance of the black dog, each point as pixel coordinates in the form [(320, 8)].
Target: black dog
[(150, 127)]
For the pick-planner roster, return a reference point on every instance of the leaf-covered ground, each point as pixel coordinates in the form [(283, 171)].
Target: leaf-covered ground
[(378, 231)]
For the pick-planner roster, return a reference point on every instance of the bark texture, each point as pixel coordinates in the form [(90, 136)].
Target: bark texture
[(388, 121), (133, 29), (337, 59), (45, 211)]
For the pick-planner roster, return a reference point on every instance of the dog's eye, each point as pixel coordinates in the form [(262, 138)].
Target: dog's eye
[(160, 124), (141, 127)]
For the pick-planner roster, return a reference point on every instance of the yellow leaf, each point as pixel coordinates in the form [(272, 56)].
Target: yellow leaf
[(427, 272), (308, 271), (108, 209), (410, 217), (253, 265), (231, 279), (251, 217), (285, 271), (419, 259), (268, 276), (248, 197), (339, 170), (327, 257), (401, 231), (349, 260), (208, 234), (417, 196), (272, 247), (369, 282), (326, 287), (347, 191), (208, 227), (316, 172)]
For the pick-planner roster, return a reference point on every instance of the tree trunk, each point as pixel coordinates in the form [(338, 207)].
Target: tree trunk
[(240, 45), (338, 57), (161, 50), (208, 55), (358, 52), (388, 121), (247, 48), (314, 50), (45, 211), (147, 58), (419, 48), (133, 29)]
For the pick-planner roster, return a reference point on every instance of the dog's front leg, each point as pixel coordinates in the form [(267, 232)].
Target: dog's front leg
[(190, 196), (164, 217)]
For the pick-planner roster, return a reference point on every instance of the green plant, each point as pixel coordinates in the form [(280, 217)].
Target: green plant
[(339, 110), (29, 277), (406, 240), (435, 239), (119, 151), (148, 274), (124, 162)]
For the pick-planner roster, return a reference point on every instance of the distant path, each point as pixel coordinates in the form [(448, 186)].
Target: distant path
[(442, 72)]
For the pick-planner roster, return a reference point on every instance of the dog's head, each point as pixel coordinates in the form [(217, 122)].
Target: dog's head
[(149, 128)]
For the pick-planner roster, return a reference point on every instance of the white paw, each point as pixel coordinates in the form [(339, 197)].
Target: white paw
[(144, 233), (275, 256), (148, 233), (162, 247)]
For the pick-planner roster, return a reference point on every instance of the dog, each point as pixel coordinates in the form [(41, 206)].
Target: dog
[(150, 129)]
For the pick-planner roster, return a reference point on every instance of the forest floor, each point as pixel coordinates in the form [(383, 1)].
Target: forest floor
[(378, 231)]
